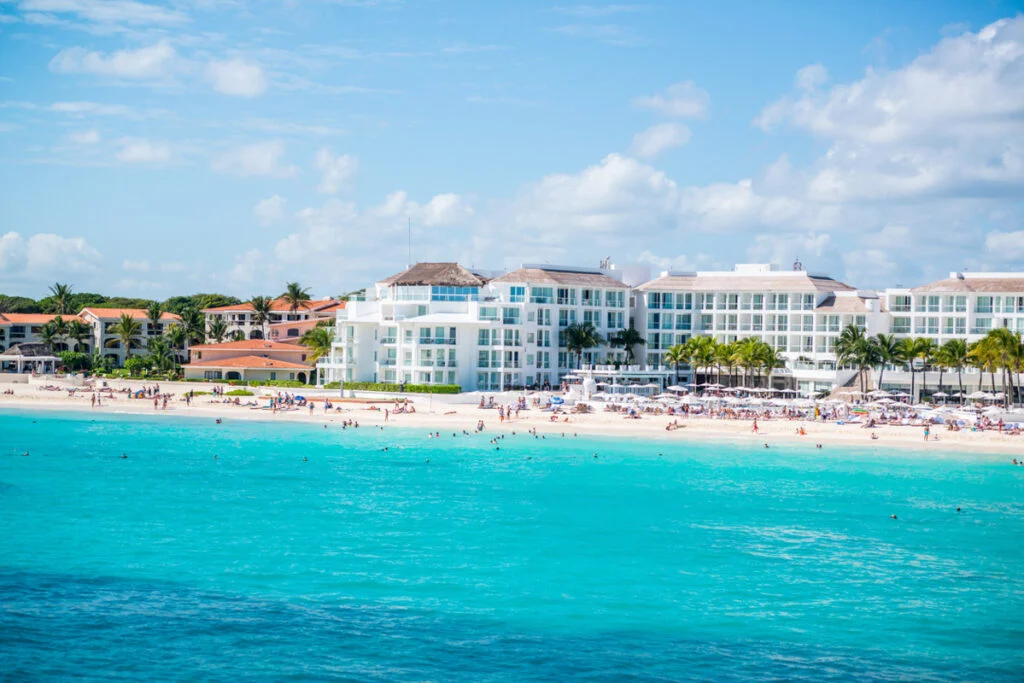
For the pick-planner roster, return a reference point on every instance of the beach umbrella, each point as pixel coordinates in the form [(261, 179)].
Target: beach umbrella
[(977, 396), (676, 387), (879, 392), (940, 394)]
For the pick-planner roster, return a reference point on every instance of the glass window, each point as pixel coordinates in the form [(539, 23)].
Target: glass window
[(517, 294), (542, 295)]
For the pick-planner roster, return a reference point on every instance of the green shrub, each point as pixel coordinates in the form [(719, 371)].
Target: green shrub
[(332, 385), (408, 389), (74, 360), (239, 392)]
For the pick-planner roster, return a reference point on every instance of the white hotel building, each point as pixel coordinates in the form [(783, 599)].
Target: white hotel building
[(799, 313), (440, 323)]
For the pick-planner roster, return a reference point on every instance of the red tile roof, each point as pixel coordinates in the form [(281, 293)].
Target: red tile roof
[(33, 318), (249, 363), (278, 305), (116, 313), (246, 345)]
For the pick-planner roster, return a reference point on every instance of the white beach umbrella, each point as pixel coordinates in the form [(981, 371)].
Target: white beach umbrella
[(977, 396), (879, 392), (940, 394), (676, 387)]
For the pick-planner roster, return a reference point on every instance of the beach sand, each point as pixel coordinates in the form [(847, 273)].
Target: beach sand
[(441, 413)]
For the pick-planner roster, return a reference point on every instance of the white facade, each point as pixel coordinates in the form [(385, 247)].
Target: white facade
[(505, 332), (964, 306), (479, 334), (800, 314)]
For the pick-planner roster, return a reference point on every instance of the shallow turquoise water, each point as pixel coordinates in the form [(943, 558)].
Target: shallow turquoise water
[(708, 562)]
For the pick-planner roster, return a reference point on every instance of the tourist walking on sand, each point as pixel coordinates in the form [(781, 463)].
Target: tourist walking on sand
[(926, 432), (754, 430)]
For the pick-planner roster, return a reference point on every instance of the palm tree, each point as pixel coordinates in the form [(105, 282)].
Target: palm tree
[(628, 338), (154, 313), (193, 321), (48, 335), (1006, 349), (295, 296), (746, 355), (217, 330), (676, 356), (261, 307), (889, 353), (61, 294), (60, 327), (770, 360), (160, 353), (177, 337), (579, 337), (701, 351), (127, 330), (725, 357), (911, 350), (854, 348), (925, 351), (318, 341), (238, 335), (954, 354), (79, 331)]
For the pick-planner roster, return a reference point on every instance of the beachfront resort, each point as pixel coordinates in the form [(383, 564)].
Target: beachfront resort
[(610, 329)]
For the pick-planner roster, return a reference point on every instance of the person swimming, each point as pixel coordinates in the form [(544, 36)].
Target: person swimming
[(124, 456), (305, 459), (893, 517)]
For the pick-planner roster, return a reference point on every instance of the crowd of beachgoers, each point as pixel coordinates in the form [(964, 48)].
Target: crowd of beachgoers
[(877, 421)]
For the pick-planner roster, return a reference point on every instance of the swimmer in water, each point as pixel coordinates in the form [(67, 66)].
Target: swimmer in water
[(305, 459), (892, 517), (124, 456), (218, 420)]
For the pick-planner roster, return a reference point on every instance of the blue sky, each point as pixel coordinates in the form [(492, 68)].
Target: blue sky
[(161, 148)]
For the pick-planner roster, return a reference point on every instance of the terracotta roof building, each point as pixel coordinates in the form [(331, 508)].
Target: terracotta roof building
[(250, 360), (241, 317)]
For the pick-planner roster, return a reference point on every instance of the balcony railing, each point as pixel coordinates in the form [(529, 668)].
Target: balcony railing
[(388, 340), (437, 340)]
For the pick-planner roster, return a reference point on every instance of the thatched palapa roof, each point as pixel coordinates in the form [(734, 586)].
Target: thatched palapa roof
[(436, 275)]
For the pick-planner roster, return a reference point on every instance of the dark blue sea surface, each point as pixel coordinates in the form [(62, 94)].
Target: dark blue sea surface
[(655, 560)]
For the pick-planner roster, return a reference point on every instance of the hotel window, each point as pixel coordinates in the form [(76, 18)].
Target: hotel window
[(566, 317), (544, 317), (652, 340), (488, 313), (757, 322), (453, 293), (654, 301), (591, 297), (745, 302), (566, 296), (592, 317), (684, 302), (861, 322), (983, 305), (653, 321), (757, 302), (615, 299), (730, 322), (544, 338), (517, 294), (682, 338), (531, 338), (720, 302), (511, 337), (561, 338), (615, 320), (706, 320), (808, 302), (407, 358), (667, 321), (542, 295), (772, 302), (901, 325), (426, 357), (683, 321), (900, 304), (782, 323), (783, 301), (732, 302), (510, 316)]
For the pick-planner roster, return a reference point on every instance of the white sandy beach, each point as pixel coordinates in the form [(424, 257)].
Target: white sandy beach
[(440, 413)]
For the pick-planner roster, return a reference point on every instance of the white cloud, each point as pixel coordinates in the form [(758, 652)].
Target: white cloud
[(870, 268), (141, 151), (85, 137), (650, 143), (611, 34), (257, 159), (1006, 246), (108, 11), (681, 100), (147, 63), (337, 171), (811, 76), (237, 77), (446, 209), (270, 210), (45, 255), (136, 266), (783, 248)]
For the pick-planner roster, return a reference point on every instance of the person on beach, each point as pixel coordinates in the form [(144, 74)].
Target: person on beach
[(754, 430), (926, 432)]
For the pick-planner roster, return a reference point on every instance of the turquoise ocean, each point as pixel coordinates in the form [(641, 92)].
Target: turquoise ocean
[(304, 553)]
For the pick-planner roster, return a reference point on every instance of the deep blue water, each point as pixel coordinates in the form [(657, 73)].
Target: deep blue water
[(533, 562)]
